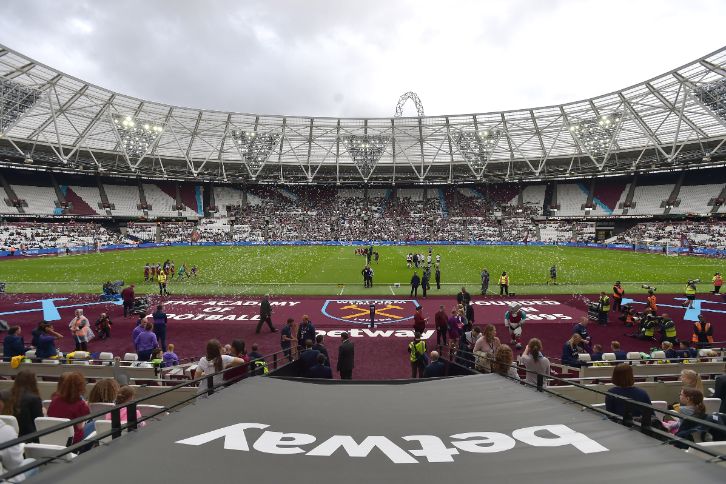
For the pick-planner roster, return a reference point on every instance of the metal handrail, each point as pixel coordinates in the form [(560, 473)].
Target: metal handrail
[(625, 420), (132, 422)]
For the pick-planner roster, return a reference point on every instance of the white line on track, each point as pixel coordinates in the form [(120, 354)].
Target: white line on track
[(341, 291), (391, 288)]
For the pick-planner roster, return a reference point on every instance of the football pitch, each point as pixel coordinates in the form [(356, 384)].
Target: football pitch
[(326, 270)]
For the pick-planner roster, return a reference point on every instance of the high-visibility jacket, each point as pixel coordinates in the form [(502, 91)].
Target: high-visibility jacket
[(717, 281), (702, 333), (504, 280), (647, 327), (161, 277), (604, 303), (669, 328), (618, 292), (690, 290), (417, 350)]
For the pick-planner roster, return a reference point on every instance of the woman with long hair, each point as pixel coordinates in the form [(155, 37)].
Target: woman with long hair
[(571, 350), (213, 362), (104, 391), (486, 347), (691, 405), (68, 401), (25, 402), (534, 361), (502, 364)]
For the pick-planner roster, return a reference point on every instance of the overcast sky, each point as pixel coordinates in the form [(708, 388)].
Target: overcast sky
[(354, 58)]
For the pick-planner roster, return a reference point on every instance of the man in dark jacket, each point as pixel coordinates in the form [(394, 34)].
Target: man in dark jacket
[(437, 274), (442, 325), (128, 297), (13, 344), (436, 368), (265, 315), (320, 370), (346, 357), (425, 282), (415, 282), (308, 358), (305, 332), (319, 346)]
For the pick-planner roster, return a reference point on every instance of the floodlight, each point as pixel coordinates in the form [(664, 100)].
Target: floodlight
[(15, 100), (713, 95), (596, 134), (366, 151), (136, 140), (255, 148)]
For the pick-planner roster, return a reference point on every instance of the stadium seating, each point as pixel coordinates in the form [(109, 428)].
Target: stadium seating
[(40, 200), (124, 199)]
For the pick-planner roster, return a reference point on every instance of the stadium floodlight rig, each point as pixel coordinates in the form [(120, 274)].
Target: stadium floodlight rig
[(477, 146), (15, 100), (713, 95), (255, 148), (596, 136), (136, 138), (366, 151)]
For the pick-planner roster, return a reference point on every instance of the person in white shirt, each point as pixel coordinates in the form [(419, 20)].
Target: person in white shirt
[(214, 361), (12, 457)]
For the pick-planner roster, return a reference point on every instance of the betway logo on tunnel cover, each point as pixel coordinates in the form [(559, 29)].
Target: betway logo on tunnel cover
[(358, 311), (399, 450)]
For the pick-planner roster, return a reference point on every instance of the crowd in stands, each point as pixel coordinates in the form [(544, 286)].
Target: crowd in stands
[(711, 234), (34, 235)]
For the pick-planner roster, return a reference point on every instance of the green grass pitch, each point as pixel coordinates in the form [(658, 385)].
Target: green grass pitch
[(323, 270)]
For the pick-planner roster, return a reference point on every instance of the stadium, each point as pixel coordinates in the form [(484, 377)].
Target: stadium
[(450, 247)]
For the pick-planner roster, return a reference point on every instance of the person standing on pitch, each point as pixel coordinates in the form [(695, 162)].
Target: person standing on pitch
[(504, 284), (484, 282), (415, 282), (161, 278), (437, 275), (425, 281), (346, 357), (618, 293), (265, 315), (553, 275)]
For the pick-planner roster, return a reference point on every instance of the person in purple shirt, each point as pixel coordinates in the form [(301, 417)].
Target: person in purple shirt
[(456, 327), (146, 342), (160, 325), (170, 358), (137, 330)]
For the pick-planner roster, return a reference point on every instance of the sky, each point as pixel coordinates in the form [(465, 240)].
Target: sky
[(355, 58)]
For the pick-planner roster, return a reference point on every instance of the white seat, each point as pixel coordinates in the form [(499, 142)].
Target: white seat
[(598, 405), (38, 451), (712, 405), (105, 356), (633, 355), (103, 426), (659, 355), (584, 357), (12, 421), (52, 362), (660, 404), (608, 357), (79, 355), (100, 406), (61, 437), (131, 357), (30, 354), (704, 352), (146, 410)]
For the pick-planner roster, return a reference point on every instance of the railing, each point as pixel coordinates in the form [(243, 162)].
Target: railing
[(132, 422), (627, 420)]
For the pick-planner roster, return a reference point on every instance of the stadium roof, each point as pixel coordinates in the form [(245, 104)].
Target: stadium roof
[(672, 121), (465, 428)]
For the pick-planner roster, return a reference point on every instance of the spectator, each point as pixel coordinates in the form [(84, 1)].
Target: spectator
[(719, 391), (125, 395), (13, 344), (257, 361), (45, 346), (319, 346), (319, 369), (128, 296), (12, 457), (456, 327), (68, 401), (571, 350), (436, 368), (140, 324), (581, 329), (534, 362), (214, 362), (104, 391), (306, 331), (309, 357), (620, 355), (502, 364), (145, 342), (170, 358), (691, 379), (624, 386), (237, 350), (596, 353), (691, 405), (485, 348), (160, 320), (346, 357), (24, 402)]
